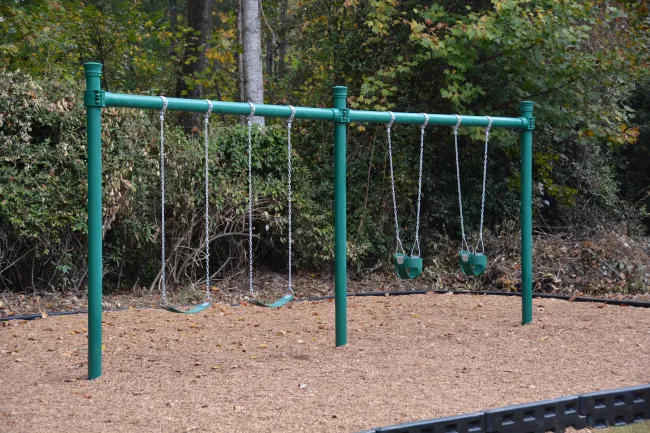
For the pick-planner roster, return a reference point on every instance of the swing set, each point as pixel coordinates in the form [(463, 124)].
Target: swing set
[(407, 266)]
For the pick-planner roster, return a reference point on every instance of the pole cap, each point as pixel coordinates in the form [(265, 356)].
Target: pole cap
[(526, 106), (339, 91), (93, 69)]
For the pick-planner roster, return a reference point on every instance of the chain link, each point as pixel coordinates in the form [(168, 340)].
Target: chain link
[(289, 190), (485, 161), (206, 140), (460, 197), (163, 292), (417, 224), (250, 199), (392, 181)]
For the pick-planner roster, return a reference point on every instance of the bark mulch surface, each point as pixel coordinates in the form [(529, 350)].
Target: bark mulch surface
[(249, 369)]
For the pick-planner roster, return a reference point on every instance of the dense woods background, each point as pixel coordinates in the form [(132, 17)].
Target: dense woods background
[(584, 63)]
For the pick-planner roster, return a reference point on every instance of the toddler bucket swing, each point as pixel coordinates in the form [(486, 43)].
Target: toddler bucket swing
[(471, 261), (288, 297), (406, 266), (164, 304)]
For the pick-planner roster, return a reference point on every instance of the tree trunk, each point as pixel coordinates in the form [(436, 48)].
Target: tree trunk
[(252, 54), (241, 86), (197, 43), (282, 52), (271, 42), (172, 9)]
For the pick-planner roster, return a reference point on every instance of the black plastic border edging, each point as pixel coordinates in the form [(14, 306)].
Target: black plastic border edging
[(616, 407), (69, 313), (621, 302)]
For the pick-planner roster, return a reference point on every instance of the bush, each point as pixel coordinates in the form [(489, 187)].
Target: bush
[(43, 185)]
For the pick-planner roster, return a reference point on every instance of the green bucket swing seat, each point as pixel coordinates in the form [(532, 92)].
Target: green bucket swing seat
[(472, 263), (407, 267)]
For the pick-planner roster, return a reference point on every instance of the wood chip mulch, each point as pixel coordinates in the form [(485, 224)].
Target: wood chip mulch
[(249, 369)]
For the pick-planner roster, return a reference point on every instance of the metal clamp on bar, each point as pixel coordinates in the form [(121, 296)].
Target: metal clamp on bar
[(94, 98), (341, 115), (530, 123)]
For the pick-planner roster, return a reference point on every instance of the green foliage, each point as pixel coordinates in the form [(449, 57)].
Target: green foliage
[(43, 188), (583, 63)]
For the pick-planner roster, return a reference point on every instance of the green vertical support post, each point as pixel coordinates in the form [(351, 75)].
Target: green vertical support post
[(340, 94), (526, 110), (93, 99)]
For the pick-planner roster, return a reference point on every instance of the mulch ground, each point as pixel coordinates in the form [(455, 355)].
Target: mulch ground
[(248, 369)]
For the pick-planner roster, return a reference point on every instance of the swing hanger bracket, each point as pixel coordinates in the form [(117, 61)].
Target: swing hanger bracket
[(341, 115), (95, 98), (530, 123)]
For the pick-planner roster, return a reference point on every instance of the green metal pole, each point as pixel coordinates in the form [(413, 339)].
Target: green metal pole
[(340, 214), (526, 110), (93, 99)]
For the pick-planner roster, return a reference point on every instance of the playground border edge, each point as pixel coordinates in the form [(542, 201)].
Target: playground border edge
[(618, 302), (600, 409)]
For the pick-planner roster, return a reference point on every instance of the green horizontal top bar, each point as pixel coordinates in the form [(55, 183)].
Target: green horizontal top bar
[(218, 107), (437, 119), (283, 111)]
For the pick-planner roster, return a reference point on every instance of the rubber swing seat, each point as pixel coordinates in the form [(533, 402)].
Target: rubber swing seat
[(472, 264), (192, 310), (277, 304), (407, 267)]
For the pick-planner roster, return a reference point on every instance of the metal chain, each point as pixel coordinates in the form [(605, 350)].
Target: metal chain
[(163, 292), (485, 161), (289, 191), (417, 224), (460, 198), (206, 139), (392, 181), (249, 122)]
